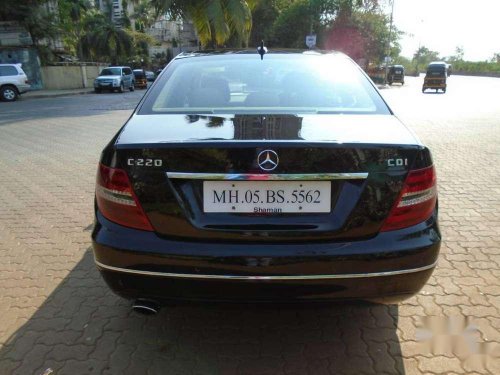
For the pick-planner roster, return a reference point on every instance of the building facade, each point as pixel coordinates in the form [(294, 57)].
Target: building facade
[(16, 47), (177, 36)]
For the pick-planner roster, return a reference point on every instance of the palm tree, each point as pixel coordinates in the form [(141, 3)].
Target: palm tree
[(144, 15), (215, 20), (103, 39), (175, 8), (218, 20)]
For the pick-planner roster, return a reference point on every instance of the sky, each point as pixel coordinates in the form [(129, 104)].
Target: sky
[(442, 25)]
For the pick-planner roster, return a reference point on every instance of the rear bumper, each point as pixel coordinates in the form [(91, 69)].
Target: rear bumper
[(391, 266), (23, 88), (434, 86), (397, 79)]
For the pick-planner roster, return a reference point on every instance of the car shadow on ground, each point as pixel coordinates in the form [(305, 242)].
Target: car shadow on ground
[(82, 328)]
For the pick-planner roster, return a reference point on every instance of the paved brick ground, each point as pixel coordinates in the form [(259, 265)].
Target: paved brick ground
[(56, 313)]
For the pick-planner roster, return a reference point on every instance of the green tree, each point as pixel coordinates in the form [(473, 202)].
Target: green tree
[(357, 27), (72, 15), (174, 8), (301, 18), (423, 56), (34, 15), (144, 15), (458, 56), (364, 35), (292, 25), (216, 21), (401, 60), (264, 15), (140, 47), (103, 40)]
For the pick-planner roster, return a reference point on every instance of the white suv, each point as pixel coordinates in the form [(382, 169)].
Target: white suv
[(13, 82)]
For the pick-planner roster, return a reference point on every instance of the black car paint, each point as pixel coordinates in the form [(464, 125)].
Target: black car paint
[(175, 208), (186, 240), (126, 248)]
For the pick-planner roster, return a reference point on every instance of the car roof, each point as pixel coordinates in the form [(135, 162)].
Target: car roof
[(253, 51)]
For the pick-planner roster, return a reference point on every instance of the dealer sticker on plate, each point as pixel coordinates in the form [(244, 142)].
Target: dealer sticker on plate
[(267, 196)]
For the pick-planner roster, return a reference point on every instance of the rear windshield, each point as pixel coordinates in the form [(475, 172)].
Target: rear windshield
[(111, 72), (436, 70), (242, 84)]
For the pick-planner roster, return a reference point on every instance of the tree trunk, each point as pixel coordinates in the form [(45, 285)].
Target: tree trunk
[(80, 46)]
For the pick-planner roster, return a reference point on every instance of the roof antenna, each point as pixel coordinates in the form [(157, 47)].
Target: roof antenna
[(262, 50)]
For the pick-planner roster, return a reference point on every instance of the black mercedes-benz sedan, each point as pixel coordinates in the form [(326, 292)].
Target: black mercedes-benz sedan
[(281, 178)]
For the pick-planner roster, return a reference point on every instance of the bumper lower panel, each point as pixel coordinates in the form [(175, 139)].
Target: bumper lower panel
[(389, 267)]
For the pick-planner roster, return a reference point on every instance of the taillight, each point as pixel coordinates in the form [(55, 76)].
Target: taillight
[(416, 201), (116, 199), (28, 82)]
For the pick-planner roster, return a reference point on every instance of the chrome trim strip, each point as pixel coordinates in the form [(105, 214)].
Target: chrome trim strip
[(144, 307), (268, 177), (284, 277)]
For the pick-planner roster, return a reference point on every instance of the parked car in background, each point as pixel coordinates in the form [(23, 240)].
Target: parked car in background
[(13, 82), (140, 79), (115, 78), (150, 76), (274, 179), (396, 74)]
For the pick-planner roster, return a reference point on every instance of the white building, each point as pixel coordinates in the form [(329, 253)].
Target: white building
[(179, 36), (117, 10)]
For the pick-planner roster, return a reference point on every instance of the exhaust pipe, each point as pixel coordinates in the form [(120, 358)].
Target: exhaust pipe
[(146, 307)]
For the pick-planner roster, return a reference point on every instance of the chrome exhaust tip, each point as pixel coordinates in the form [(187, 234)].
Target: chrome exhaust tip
[(145, 307)]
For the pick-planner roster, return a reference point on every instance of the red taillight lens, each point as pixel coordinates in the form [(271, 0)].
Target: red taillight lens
[(116, 199), (416, 202)]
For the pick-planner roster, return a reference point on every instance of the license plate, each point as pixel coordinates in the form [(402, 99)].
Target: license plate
[(267, 197)]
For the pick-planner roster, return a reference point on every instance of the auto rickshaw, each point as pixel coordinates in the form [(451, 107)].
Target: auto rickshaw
[(141, 81), (435, 77), (396, 74)]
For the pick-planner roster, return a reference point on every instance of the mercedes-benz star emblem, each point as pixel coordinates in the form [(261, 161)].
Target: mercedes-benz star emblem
[(268, 160)]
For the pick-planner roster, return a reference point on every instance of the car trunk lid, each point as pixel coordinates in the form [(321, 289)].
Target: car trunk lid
[(364, 159)]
